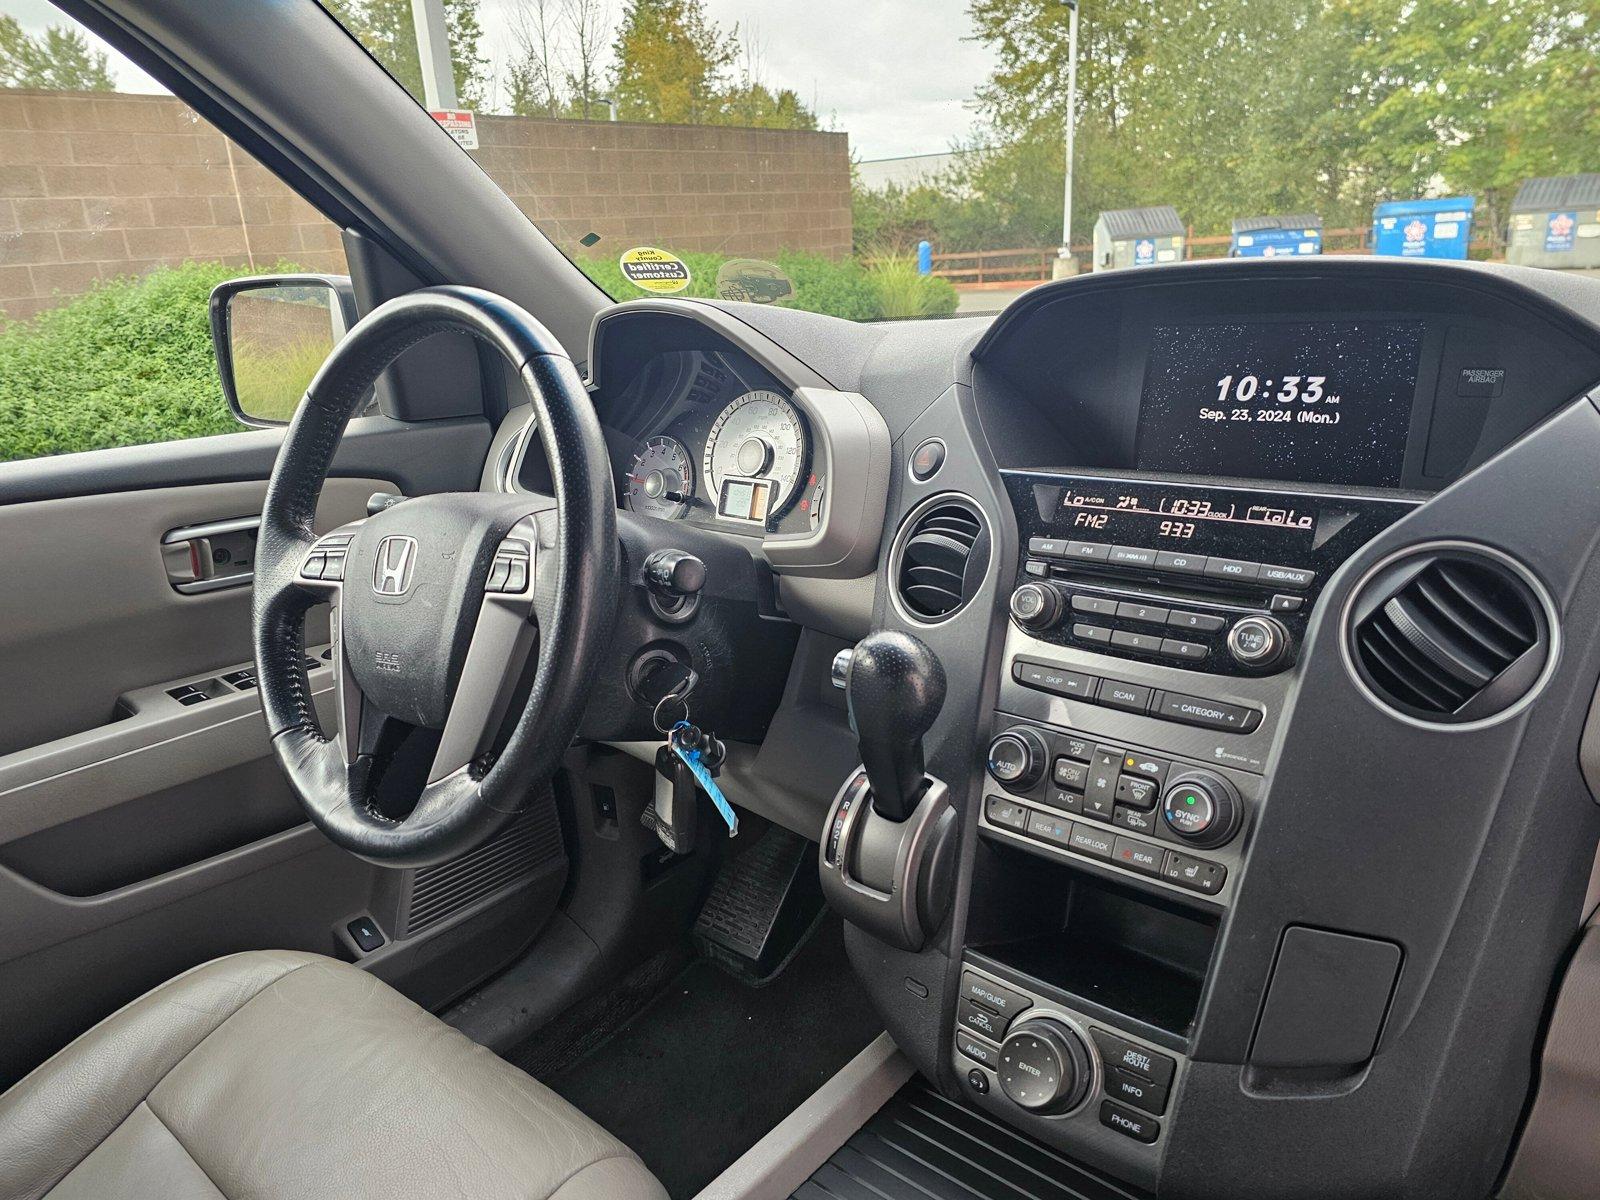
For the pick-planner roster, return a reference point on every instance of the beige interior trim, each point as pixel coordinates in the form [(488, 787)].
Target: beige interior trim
[(783, 1160)]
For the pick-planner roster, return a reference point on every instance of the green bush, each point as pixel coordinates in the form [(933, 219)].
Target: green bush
[(839, 288), (126, 363)]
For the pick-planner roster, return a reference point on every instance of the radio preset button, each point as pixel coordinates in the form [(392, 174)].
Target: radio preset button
[(1092, 633), (1150, 614), (1098, 606), (1188, 651), (1199, 622), (1088, 551), (1131, 556), (1176, 560), (1144, 643)]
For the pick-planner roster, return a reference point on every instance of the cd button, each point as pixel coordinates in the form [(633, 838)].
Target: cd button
[(1129, 697), (1131, 556), (1238, 570), (1088, 551), (1177, 560), (1148, 613)]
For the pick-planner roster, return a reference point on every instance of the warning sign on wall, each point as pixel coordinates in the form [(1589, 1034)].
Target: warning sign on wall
[(654, 270), (459, 124)]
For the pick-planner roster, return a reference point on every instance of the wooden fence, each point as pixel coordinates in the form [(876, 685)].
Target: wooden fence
[(981, 270)]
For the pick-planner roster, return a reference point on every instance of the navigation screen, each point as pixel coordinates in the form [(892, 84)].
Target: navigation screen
[(1311, 401)]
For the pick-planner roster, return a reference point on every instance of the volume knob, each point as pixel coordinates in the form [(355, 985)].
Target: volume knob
[(1036, 606)]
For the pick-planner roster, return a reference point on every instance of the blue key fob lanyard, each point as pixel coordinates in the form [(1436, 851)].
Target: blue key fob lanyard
[(691, 759)]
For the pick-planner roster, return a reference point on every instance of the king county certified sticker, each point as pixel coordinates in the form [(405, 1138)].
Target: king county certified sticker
[(654, 270)]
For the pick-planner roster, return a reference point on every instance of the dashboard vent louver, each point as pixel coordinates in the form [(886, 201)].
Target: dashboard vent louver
[(1449, 637), (944, 552)]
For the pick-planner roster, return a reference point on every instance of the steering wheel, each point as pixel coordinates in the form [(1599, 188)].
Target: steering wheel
[(437, 601)]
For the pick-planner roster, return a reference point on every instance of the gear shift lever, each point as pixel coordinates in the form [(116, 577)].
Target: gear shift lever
[(895, 690)]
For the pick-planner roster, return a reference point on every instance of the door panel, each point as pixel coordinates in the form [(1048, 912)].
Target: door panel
[(140, 836)]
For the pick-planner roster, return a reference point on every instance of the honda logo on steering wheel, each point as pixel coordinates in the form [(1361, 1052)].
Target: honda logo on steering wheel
[(391, 572)]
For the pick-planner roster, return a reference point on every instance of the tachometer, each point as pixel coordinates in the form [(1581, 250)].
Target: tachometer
[(661, 479), (758, 436)]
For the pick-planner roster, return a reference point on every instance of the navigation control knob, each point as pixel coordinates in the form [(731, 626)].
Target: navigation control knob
[(1045, 1067), (1258, 642), (1202, 808), (1036, 605), (1017, 758)]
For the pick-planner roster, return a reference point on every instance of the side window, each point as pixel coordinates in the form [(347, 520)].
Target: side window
[(120, 209)]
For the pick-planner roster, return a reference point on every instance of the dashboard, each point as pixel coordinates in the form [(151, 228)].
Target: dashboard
[(1264, 593)]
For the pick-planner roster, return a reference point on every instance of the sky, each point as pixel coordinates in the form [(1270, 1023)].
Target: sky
[(897, 75)]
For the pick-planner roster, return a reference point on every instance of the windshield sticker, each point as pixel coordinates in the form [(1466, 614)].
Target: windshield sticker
[(653, 270), (753, 280)]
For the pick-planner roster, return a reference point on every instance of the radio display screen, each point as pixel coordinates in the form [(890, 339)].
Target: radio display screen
[(1309, 401), (1206, 520)]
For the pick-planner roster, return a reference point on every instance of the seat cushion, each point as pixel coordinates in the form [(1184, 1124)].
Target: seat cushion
[(280, 1074)]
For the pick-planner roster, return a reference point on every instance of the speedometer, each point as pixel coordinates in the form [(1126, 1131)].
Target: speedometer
[(758, 436), (661, 479)]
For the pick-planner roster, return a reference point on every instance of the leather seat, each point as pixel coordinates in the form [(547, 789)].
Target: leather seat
[(280, 1074)]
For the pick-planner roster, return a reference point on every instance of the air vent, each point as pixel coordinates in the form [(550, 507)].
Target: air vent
[(506, 860), (943, 554), (1449, 636)]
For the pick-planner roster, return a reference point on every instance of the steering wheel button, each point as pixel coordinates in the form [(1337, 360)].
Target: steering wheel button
[(333, 567), (517, 577), (498, 575)]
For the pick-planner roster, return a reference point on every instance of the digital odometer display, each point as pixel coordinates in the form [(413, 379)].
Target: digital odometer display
[(1311, 401)]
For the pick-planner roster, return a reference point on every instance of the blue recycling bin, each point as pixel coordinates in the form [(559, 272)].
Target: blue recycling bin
[(1423, 228)]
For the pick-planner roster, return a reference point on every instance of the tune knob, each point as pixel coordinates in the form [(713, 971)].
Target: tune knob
[(1202, 808), (1258, 642), (1045, 1067), (1036, 606), (1017, 758)]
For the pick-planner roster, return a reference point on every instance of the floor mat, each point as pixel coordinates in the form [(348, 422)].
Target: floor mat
[(706, 1070)]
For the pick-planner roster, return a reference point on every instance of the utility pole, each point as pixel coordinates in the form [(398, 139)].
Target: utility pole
[(1065, 264), (433, 55)]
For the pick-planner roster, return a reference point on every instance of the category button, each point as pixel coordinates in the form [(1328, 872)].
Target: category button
[(1208, 714)]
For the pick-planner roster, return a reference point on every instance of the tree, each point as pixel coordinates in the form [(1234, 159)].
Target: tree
[(586, 23), (671, 62), (389, 32), (533, 77), (59, 59)]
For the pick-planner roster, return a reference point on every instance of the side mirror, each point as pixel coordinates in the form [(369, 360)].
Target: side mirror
[(271, 334)]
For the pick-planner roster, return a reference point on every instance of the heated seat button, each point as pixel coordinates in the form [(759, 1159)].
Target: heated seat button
[(1141, 1093), (980, 1020), (1006, 812), (993, 995), (1196, 874), (1129, 1122)]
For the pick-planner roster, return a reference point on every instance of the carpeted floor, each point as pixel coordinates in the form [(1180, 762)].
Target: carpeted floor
[(702, 1073)]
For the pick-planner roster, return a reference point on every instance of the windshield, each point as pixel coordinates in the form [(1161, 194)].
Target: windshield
[(892, 159)]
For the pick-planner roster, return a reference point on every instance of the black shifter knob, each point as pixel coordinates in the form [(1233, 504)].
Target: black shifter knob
[(895, 691)]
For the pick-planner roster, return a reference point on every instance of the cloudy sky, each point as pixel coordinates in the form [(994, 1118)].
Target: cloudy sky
[(895, 74)]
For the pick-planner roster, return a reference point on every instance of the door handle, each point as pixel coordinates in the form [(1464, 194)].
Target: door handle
[(210, 557)]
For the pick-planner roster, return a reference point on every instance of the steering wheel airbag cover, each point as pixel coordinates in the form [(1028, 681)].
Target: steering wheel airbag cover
[(577, 583)]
